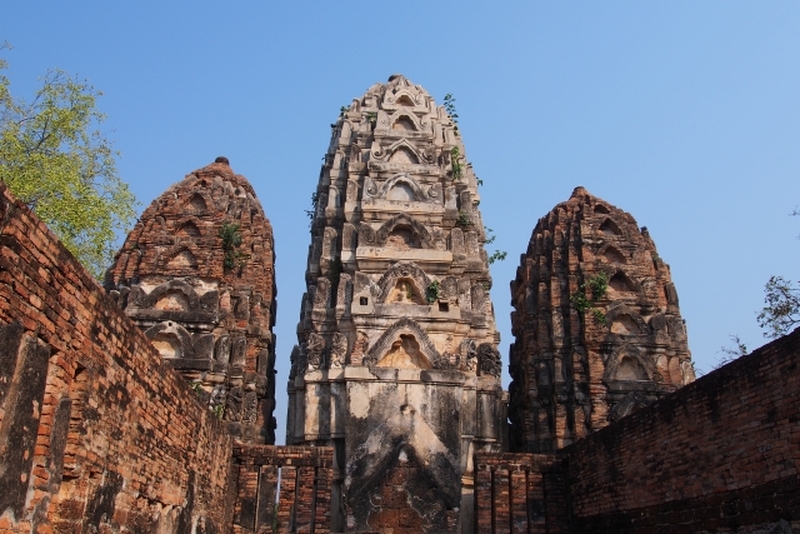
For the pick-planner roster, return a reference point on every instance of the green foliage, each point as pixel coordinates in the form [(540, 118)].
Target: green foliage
[(463, 219), (497, 255), (433, 292), (231, 241), (343, 110), (450, 107), (597, 286), (53, 158), (781, 312), (314, 202), (372, 118), (219, 411), (455, 163)]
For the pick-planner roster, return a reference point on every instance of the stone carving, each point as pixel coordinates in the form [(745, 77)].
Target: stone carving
[(489, 362), (470, 355), (315, 351), (338, 350), (360, 348)]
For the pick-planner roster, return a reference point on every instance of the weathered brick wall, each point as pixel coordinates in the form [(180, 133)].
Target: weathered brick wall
[(518, 492), (718, 455), (302, 477), (96, 433)]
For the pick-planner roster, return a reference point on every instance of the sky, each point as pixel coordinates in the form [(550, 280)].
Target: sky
[(685, 114)]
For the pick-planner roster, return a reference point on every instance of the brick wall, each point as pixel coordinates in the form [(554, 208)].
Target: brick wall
[(718, 455), (96, 433), (302, 477), (518, 492)]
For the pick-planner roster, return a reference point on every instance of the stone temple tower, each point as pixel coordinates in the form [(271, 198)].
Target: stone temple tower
[(197, 275), (397, 364), (597, 325)]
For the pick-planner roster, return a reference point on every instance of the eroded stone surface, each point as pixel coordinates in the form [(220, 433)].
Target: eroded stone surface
[(397, 363), (582, 360), (196, 274)]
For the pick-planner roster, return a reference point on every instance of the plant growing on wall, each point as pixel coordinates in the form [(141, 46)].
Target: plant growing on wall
[(433, 292), (596, 287), (231, 241), (450, 107), (455, 164), (463, 219), (314, 203)]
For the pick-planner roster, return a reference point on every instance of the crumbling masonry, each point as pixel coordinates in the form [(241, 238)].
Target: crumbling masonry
[(147, 407), (397, 367)]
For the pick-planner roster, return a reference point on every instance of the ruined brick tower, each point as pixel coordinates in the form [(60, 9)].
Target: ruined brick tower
[(397, 365), (597, 325), (197, 275)]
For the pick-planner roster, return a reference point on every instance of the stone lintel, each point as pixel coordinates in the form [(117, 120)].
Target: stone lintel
[(184, 317), (324, 375), (380, 259), (199, 364)]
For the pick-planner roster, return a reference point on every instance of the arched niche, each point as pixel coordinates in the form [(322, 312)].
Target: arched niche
[(171, 340), (400, 192), (629, 369), (624, 325), (188, 229), (407, 271), (601, 209), (406, 223), (405, 291), (182, 260), (168, 345), (403, 343), (172, 300), (404, 123), (403, 237), (197, 203), (610, 254), (174, 292), (404, 353), (609, 227), (404, 156), (629, 363), (620, 283), (404, 100)]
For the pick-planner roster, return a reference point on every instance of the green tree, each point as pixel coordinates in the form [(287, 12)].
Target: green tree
[(54, 158), (781, 312)]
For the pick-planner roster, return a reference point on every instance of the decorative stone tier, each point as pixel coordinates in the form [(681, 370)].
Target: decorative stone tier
[(397, 365)]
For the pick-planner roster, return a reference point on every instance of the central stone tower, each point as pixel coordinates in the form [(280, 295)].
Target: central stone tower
[(397, 365)]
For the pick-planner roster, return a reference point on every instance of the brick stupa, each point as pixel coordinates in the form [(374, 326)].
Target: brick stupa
[(197, 275), (597, 325)]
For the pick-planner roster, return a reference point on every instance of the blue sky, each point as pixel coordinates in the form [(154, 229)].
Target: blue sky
[(685, 114)]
